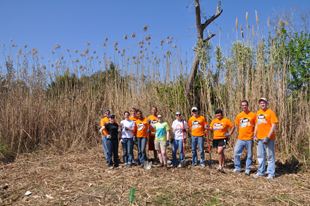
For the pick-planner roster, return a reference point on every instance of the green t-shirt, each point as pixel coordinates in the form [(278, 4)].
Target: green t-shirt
[(161, 129)]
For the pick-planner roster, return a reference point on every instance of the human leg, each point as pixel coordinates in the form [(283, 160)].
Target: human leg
[(261, 157), (271, 168), (220, 153), (174, 152), (143, 152), (180, 144), (201, 150), (194, 149), (237, 153), (115, 152), (105, 148), (109, 151), (130, 150), (125, 151), (249, 150)]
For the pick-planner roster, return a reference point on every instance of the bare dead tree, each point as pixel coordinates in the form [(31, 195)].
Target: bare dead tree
[(200, 29)]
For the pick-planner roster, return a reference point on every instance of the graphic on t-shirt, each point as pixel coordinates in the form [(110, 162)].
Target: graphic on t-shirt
[(153, 122), (141, 126), (261, 119), (196, 124), (218, 126), (244, 122)]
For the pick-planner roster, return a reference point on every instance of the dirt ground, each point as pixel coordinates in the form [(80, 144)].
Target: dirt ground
[(83, 178)]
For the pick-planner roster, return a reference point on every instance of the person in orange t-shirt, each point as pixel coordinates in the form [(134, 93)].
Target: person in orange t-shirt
[(105, 132), (198, 125), (134, 118), (265, 125), (152, 120), (220, 126), (142, 128), (245, 122)]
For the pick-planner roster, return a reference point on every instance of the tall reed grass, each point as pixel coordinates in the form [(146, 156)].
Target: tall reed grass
[(58, 105)]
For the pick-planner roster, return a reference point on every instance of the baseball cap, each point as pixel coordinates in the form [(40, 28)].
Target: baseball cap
[(111, 115), (194, 109), (217, 111), (178, 112), (106, 111), (262, 99)]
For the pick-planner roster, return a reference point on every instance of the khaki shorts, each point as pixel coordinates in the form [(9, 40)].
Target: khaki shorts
[(160, 145)]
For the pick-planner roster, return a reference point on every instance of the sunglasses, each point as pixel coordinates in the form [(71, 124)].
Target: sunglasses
[(159, 117), (178, 115), (112, 117)]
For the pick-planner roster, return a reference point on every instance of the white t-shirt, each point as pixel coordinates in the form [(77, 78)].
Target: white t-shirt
[(128, 124), (178, 127)]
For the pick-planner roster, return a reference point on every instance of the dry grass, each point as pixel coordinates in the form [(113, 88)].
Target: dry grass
[(82, 178)]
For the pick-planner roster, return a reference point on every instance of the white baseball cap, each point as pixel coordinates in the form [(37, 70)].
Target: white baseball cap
[(194, 108), (262, 99)]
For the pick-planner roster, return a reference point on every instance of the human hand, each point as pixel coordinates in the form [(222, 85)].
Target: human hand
[(255, 139), (266, 140), (226, 134)]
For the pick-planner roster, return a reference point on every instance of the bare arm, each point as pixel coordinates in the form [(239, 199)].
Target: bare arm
[(255, 130), (273, 128), (101, 129), (232, 129), (168, 134)]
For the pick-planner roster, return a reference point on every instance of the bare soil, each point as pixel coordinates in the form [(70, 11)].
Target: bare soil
[(83, 178)]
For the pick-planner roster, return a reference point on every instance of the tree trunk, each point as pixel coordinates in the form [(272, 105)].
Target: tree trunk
[(200, 29)]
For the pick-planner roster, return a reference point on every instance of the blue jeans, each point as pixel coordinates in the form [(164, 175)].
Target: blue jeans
[(200, 142), (262, 149), (177, 144), (240, 145), (127, 150), (112, 150), (105, 148), (141, 149)]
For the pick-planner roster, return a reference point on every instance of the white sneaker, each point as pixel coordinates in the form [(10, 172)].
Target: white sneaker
[(180, 166), (235, 171), (247, 172), (169, 162), (270, 177), (219, 168)]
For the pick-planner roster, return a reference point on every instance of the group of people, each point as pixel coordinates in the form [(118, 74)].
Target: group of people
[(153, 133)]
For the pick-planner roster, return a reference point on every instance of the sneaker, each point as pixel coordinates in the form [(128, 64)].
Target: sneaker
[(165, 167), (235, 171), (180, 166), (125, 163), (270, 177), (172, 166), (256, 176), (118, 167), (133, 162), (111, 167), (247, 172), (203, 166), (219, 168), (169, 162), (155, 162)]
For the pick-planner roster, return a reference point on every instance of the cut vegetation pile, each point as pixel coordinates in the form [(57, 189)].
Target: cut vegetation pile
[(84, 179)]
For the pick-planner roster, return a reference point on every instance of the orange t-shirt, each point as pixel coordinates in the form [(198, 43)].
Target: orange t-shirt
[(154, 120), (141, 128), (220, 127), (246, 123), (102, 123), (264, 121), (134, 119), (197, 125)]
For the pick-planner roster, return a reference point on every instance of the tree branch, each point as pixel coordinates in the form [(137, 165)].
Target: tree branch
[(209, 37), (217, 14)]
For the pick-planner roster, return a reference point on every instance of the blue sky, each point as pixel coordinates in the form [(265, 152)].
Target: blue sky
[(41, 24)]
